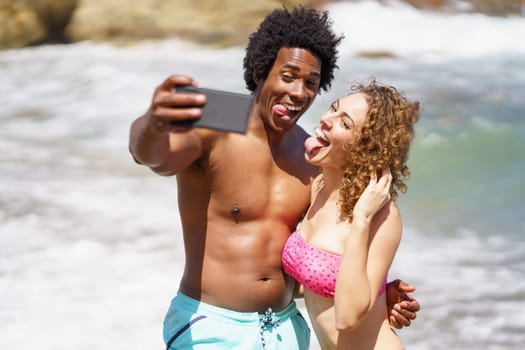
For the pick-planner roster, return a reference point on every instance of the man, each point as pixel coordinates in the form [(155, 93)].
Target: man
[(240, 196)]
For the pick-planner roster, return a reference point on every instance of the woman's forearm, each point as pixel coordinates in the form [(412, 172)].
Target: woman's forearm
[(353, 290)]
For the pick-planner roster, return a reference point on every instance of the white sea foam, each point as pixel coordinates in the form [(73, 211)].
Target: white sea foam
[(416, 34)]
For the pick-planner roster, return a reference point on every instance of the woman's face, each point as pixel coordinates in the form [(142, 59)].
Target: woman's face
[(340, 125)]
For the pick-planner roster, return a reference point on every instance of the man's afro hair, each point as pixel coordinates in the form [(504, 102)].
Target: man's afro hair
[(300, 27)]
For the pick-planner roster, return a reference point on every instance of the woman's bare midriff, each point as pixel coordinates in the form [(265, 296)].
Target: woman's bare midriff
[(373, 333)]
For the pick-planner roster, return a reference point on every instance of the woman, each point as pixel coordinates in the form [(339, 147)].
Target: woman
[(350, 233)]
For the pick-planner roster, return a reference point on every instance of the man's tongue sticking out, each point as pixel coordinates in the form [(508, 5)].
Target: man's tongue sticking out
[(282, 111)]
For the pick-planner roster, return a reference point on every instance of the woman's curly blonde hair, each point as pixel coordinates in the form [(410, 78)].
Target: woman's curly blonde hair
[(383, 143)]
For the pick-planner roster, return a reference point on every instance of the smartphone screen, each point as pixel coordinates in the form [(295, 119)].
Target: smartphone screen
[(223, 111)]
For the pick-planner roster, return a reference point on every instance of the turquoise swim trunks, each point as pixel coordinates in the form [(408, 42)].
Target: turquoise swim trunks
[(191, 324)]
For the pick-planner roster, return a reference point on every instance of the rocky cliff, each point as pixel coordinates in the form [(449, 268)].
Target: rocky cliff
[(217, 22)]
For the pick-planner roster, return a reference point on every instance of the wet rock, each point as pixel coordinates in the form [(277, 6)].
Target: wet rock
[(212, 22), (20, 25), (426, 3), (499, 7), (219, 22), (27, 22)]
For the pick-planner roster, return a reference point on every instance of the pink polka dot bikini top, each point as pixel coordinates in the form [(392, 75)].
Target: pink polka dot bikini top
[(314, 268)]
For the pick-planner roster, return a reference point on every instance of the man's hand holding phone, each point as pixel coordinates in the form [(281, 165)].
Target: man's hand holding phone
[(169, 106), (179, 103)]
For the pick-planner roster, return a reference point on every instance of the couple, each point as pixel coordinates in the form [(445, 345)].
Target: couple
[(241, 196)]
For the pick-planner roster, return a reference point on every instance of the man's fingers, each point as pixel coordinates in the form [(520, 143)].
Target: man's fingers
[(394, 323), (405, 311), (175, 80), (411, 305), (399, 320), (405, 322), (402, 319), (405, 287), (408, 304)]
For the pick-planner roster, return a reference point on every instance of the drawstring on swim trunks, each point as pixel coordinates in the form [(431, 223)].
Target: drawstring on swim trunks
[(268, 319)]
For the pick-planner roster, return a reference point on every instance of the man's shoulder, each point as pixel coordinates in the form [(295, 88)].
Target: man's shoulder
[(295, 138), (299, 131)]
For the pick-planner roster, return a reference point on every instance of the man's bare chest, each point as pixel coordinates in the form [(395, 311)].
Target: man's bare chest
[(255, 185)]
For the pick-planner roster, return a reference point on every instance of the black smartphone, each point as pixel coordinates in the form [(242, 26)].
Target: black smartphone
[(223, 111)]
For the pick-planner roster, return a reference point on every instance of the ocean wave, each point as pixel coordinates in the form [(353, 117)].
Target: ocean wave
[(404, 31)]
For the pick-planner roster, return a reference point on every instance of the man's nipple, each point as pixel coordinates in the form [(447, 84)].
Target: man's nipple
[(235, 211)]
